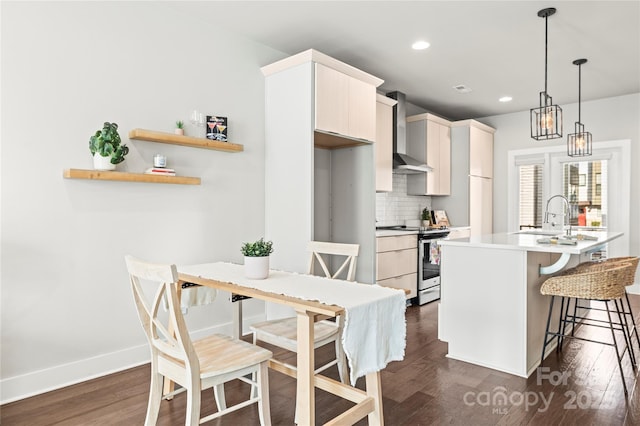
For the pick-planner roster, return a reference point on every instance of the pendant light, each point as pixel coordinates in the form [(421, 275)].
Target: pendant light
[(546, 120), (579, 143)]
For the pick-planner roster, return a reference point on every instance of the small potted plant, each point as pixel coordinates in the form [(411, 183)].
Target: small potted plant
[(179, 127), (106, 147), (426, 218), (256, 258)]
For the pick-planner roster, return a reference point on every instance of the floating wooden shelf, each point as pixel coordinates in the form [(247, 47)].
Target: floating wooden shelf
[(173, 139), (128, 177)]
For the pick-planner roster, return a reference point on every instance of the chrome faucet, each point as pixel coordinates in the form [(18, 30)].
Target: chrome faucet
[(568, 214)]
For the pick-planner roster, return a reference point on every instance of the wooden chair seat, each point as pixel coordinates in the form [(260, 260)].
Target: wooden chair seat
[(284, 332), (220, 354)]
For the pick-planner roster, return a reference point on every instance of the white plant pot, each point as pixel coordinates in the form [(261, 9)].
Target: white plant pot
[(256, 268), (102, 163), (179, 132)]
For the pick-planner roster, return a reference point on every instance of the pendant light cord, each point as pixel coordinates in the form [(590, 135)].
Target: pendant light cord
[(546, 18), (579, 92)]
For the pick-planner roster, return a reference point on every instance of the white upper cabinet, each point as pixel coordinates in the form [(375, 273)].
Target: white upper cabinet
[(429, 140), (332, 102), (384, 143), (480, 152), (345, 105)]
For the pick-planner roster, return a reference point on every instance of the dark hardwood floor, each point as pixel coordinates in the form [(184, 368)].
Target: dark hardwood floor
[(425, 389)]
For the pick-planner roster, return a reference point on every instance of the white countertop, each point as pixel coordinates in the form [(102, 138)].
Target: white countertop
[(528, 242), (396, 232)]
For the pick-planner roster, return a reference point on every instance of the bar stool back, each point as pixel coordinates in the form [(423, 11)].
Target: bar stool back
[(605, 283)]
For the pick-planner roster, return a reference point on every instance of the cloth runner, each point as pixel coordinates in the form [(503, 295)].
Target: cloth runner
[(374, 329)]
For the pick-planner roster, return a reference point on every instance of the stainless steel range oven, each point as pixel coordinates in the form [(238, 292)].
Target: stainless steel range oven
[(429, 264)]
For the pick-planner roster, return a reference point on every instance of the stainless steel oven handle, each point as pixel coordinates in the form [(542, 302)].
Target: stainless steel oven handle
[(421, 260)]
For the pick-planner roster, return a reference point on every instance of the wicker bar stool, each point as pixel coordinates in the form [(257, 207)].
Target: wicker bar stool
[(629, 279), (605, 283)]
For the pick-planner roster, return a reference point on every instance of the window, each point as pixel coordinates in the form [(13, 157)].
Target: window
[(606, 192), (530, 196), (584, 185)]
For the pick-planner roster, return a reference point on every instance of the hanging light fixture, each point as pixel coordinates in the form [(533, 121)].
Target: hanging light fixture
[(546, 120), (579, 143)]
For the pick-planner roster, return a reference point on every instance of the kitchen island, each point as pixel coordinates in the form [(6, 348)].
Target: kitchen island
[(491, 311)]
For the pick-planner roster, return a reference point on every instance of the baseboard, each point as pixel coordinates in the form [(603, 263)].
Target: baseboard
[(38, 382), (634, 289)]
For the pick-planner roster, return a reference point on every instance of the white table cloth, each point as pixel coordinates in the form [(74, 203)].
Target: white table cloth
[(374, 330)]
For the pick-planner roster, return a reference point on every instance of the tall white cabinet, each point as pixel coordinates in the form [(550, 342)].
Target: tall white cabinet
[(471, 199), (320, 125), (384, 143)]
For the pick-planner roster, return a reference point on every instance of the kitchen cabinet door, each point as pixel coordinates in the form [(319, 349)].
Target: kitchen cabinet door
[(429, 140), (433, 157), (362, 110), (444, 163), (344, 104), (480, 153), (384, 144), (332, 102), (480, 205)]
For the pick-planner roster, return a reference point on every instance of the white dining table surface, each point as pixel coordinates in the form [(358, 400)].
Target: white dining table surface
[(374, 329)]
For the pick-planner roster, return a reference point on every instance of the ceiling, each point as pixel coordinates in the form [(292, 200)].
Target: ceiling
[(496, 48)]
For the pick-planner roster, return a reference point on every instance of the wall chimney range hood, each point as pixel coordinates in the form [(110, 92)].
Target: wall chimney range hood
[(403, 163)]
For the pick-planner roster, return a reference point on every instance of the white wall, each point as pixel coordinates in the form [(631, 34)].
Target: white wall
[(67, 310), (607, 119)]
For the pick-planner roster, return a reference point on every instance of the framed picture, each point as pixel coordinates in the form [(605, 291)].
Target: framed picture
[(217, 128), (441, 218)]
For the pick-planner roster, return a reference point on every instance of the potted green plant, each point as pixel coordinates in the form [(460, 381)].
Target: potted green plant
[(426, 218), (179, 127), (256, 258), (106, 147)]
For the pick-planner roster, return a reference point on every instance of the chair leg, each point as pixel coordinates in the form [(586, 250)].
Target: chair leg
[(218, 394), (544, 345), (341, 359), (573, 320), (633, 319), (264, 408), (193, 404), (155, 396), (615, 345), (563, 317), (253, 393), (560, 328), (625, 330)]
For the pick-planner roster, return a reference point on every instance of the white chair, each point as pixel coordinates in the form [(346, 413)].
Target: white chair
[(283, 332), (194, 365)]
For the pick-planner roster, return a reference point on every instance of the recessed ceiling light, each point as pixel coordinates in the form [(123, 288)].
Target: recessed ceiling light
[(505, 99), (461, 88), (420, 45)]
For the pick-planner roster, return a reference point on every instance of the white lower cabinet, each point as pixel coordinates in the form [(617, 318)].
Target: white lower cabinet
[(397, 263)]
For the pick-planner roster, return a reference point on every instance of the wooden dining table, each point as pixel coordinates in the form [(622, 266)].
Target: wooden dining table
[(230, 277)]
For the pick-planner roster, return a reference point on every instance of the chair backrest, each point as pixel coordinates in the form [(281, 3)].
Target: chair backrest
[(628, 279), (604, 282), (167, 334), (337, 251)]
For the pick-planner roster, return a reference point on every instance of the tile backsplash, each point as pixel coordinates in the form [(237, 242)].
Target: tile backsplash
[(396, 207)]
